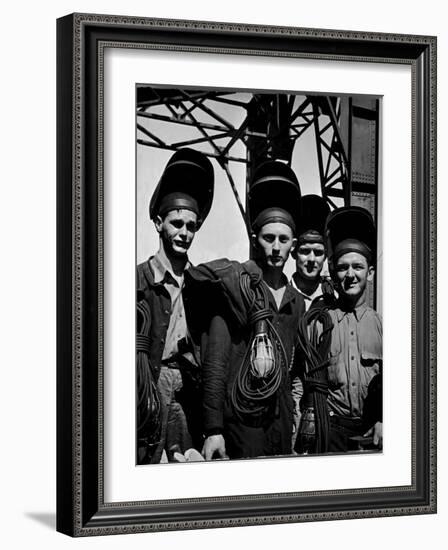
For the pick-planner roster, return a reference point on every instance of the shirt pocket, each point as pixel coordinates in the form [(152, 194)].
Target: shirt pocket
[(371, 359), (336, 369), (371, 347), (371, 354), (371, 364)]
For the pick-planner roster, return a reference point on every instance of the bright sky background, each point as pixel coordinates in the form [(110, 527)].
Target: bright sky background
[(223, 233)]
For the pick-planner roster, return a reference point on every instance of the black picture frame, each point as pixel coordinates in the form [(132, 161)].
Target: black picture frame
[(81, 510)]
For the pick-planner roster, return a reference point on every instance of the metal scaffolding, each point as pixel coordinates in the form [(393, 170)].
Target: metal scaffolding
[(346, 134)]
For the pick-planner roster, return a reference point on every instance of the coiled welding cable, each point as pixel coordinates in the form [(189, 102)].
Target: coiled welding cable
[(252, 395), (148, 400), (314, 340)]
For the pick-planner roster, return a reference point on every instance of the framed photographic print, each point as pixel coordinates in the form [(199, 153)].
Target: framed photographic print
[(246, 235)]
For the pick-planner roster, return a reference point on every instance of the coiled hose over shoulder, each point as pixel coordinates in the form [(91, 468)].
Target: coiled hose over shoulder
[(148, 400), (314, 340), (253, 395)]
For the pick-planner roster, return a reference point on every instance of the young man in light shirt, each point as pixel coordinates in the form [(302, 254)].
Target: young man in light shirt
[(356, 354), (178, 207)]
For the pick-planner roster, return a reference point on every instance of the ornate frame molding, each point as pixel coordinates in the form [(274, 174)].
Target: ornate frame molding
[(81, 42)]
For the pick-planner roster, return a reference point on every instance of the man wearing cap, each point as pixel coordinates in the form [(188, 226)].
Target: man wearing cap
[(248, 408), (178, 207), (355, 366), (310, 253), (316, 290)]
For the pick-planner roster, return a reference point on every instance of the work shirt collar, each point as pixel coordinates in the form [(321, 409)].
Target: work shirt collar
[(307, 297), (162, 270), (358, 312)]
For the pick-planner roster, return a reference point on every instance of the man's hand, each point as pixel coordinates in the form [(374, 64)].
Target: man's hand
[(377, 432), (214, 444)]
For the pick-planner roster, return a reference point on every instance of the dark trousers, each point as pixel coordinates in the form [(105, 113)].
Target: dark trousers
[(342, 430), (270, 435)]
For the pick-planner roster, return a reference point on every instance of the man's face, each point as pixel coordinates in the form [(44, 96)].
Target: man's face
[(177, 231), (352, 273), (310, 259), (274, 242)]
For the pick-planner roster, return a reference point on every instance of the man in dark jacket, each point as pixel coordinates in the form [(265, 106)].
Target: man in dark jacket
[(248, 407), (167, 363)]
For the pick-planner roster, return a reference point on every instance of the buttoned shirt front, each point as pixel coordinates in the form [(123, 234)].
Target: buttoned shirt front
[(356, 356), (177, 327)]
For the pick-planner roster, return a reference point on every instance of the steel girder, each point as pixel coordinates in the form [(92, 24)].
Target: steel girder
[(267, 125)]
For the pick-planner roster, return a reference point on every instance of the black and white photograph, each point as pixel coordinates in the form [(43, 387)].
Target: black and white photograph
[(230, 216), (258, 274), (246, 232)]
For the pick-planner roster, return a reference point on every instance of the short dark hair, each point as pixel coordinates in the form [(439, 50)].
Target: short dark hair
[(295, 252)]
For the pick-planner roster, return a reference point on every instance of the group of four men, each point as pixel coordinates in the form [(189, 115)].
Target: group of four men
[(233, 359)]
